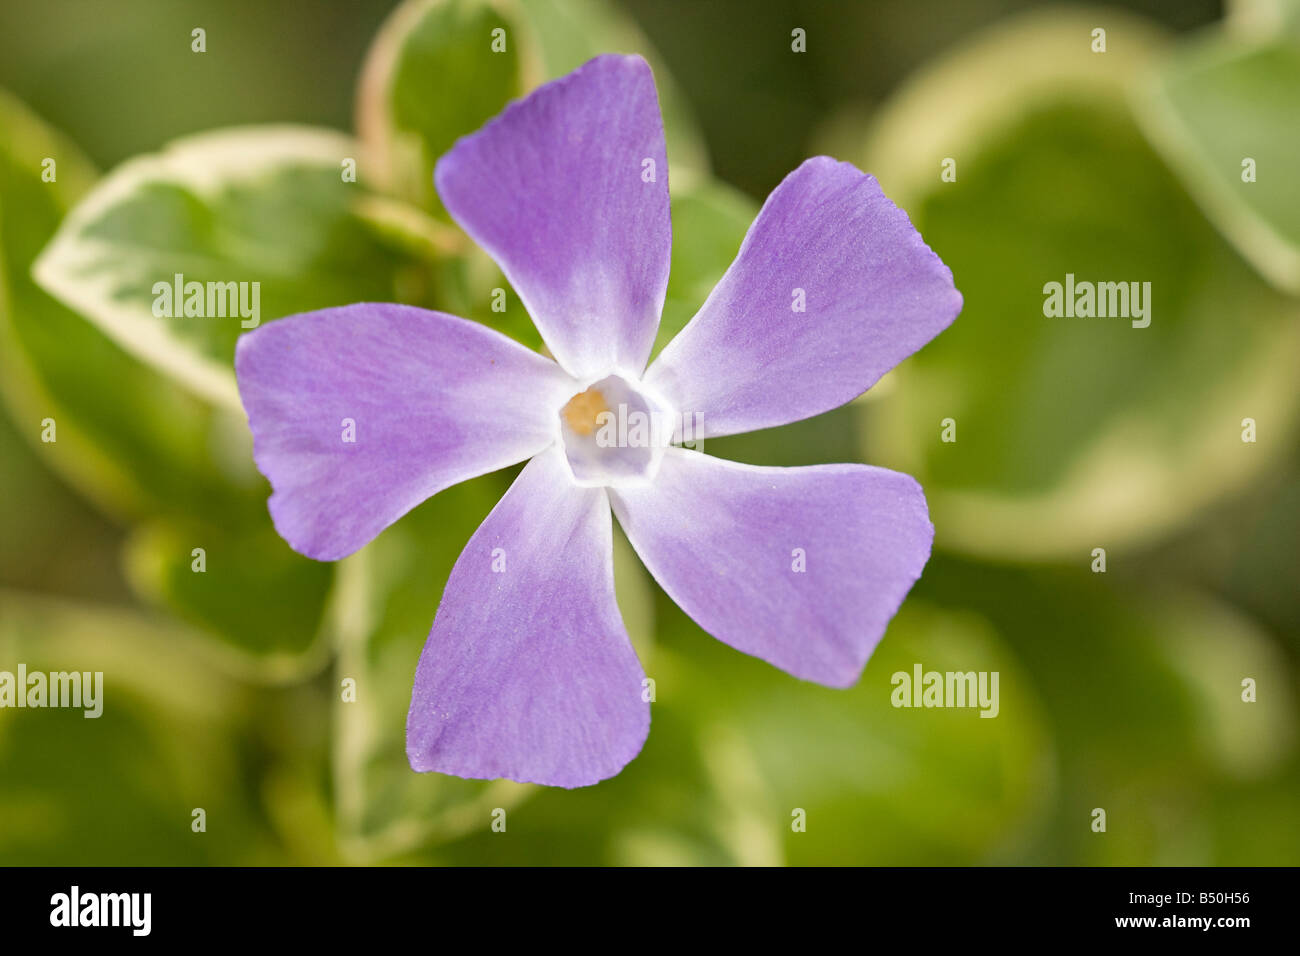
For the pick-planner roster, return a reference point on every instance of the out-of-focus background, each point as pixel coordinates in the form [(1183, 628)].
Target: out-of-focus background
[(1117, 508)]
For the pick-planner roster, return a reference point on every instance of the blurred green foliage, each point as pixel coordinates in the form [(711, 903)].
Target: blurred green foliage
[(1223, 109), (1081, 432), (1118, 690)]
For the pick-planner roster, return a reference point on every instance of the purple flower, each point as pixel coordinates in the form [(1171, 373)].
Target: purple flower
[(528, 672)]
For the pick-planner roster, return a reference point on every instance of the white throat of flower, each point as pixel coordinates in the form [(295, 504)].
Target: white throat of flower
[(614, 431)]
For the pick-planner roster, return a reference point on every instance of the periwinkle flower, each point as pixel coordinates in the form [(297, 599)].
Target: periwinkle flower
[(528, 672)]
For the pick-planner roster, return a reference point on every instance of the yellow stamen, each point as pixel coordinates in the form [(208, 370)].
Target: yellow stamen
[(582, 410)]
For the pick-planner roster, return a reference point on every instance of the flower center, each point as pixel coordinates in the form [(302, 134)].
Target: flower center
[(614, 433), (582, 411)]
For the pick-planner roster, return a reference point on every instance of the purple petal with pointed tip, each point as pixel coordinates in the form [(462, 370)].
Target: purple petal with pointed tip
[(726, 540), (555, 190), (528, 672), (872, 291), (433, 400)]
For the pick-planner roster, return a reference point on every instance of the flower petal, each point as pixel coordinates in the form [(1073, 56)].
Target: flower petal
[(555, 190), (428, 400), (872, 292), (528, 672), (727, 541)]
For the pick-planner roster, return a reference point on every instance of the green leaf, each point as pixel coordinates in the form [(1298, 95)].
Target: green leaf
[(127, 438), (1263, 17), (433, 75), (878, 784), (1223, 103), (1141, 684), (264, 205), (136, 443), (121, 788), (675, 803), (1215, 649), (54, 541), (1072, 433), (709, 221), (476, 288), (243, 587), (736, 746)]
